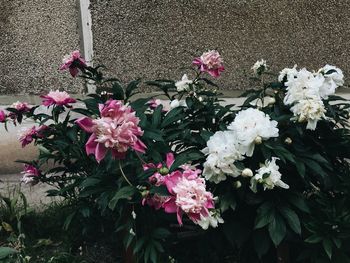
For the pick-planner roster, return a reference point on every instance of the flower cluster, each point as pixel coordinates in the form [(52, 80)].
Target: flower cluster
[(224, 148), (117, 129), (305, 91)]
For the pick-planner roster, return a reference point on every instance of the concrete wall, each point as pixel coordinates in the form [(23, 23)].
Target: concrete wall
[(154, 38), (34, 36)]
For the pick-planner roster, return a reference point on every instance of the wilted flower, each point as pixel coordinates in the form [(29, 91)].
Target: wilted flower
[(269, 176), (333, 78), (183, 84), (213, 220), (304, 85), (309, 110), (287, 73), (250, 127), (27, 135), (210, 62), (59, 98), (73, 63), (30, 175), (222, 153), (117, 129), (259, 67)]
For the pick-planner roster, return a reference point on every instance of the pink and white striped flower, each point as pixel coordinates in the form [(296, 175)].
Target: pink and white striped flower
[(210, 62), (59, 98), (116, 129)]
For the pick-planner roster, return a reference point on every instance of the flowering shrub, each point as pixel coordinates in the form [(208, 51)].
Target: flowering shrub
[(186, 179)]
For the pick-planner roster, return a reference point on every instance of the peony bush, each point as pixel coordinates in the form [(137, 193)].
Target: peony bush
[(183, 178)]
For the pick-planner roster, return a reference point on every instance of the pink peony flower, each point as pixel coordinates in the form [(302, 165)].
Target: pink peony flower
[(187, 195), (2, 116), (210, 62), (21, 106), (30, 175), (117, 129), (73, 63), (29, 134), (60, 98)]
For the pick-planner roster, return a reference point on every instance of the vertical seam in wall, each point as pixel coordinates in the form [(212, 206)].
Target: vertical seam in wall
[(86, 36)]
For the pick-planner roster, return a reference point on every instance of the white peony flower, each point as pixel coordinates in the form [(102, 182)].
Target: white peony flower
[(222, 153), (259, 66), (309, 110), (304, 85), (183, 84), (248, 126), (269, 176), (333, 78), (213, 220), (290, 73)]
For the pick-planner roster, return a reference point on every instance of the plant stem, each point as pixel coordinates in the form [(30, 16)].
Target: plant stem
[(123, 174)]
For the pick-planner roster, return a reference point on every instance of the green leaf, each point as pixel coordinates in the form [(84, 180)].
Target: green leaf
[(327, 246), (261, 242), (153, 134), (298, 201), (172, 116), (313, 239), (277, 230), (157, 116), (185, 157), (265, 215), (123, 193), (292, 219), (131, 87), (118, 92), (7, 251)]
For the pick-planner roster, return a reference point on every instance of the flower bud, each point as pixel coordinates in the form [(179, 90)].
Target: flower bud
[(164, 171), (247, 172), (288, 140), (237, 184), (145, 193), (272, 101), (258, 140)]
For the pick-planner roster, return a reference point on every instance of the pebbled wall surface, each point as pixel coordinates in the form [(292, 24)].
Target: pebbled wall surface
[(34, 36), (154, 38)]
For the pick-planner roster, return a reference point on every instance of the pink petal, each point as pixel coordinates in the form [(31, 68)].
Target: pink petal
[(169, 159), (139, 146), (86, 124), (91, 145), (100, 152), (170, 206)]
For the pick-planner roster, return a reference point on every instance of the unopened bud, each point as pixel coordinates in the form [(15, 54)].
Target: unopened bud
[(237, 184), (164, 171), (247, 173), (258, 140), (272, 101), (288, 140)]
